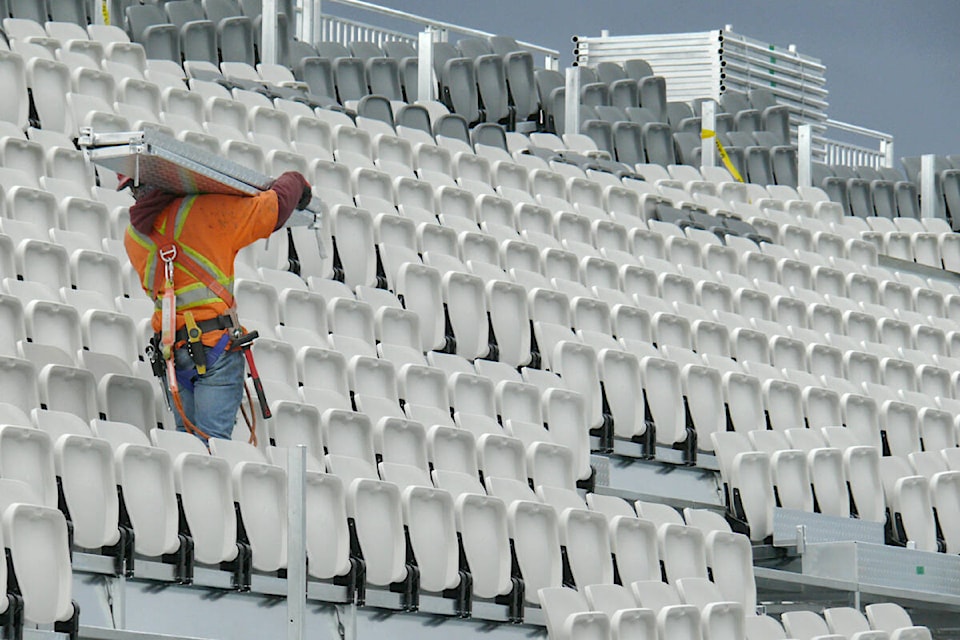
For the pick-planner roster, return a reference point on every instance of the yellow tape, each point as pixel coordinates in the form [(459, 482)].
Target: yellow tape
[(104, 7), (705, 134)]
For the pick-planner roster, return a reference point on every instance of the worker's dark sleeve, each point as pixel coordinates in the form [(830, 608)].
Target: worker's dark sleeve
[(293, 190)]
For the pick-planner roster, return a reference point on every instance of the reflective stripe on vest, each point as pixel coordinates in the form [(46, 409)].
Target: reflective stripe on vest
[(191, 295)]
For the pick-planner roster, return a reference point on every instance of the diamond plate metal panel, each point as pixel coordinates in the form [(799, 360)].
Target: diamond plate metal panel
[(602, 466), (821, 528), (188, 153), (157, 168), (154, 158)]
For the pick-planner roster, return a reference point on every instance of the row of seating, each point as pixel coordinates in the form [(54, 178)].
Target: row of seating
[(115, 291), (743, 113), (50, 445), (151, 101), (631, 85), (755, 156), (489, 80), (637, 134), (420, 312), (946, 182), (211, 31), (642, 318), (759, 147), (78, 12), (613, 613), (350, 442), (684, 552), (897, 439), (265, 328), (688, 146), (173, 467), (867, 192)]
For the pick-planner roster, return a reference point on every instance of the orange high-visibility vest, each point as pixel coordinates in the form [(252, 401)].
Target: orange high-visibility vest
[(211, 229)]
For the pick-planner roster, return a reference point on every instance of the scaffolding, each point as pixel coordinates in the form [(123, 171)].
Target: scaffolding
[(709, 63)]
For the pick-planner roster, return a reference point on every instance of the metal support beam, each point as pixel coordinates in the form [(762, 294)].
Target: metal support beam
[(268, 33), (572, 105), (708, 122), (296, 543), (425, 81), (929, 202), (804, 156)]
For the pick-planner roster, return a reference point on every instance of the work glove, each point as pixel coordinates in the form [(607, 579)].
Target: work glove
[(293, 192), (305, 197)]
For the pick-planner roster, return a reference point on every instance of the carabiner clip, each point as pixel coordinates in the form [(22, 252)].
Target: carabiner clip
[(168, 254)]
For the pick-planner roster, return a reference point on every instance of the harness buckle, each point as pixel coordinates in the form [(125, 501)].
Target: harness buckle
[(168, 254)]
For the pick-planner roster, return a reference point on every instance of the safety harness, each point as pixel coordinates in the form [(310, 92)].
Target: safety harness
[(168, 251)]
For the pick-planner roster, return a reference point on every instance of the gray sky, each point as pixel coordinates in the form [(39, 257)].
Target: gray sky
[(892, 65)]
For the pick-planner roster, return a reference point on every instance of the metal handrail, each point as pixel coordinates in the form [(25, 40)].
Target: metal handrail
[(332, 27), (864, 131), (436, 24), (852, 155), (756, 45), (879, 153)]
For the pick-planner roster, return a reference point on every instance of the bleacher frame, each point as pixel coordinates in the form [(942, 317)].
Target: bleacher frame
[(792, 575), (151, 597)]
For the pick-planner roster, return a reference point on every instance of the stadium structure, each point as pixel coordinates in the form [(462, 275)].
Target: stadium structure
[(647, 347)]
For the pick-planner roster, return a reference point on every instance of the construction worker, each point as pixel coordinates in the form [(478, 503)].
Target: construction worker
[(184, 248)]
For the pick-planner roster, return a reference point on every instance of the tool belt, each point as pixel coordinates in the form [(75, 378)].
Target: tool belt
[(199, 352), (205, 326)]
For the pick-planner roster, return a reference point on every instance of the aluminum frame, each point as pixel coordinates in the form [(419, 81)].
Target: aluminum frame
[(154, 158)]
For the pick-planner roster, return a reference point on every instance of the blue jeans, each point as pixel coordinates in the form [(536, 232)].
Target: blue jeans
[(213, 402)]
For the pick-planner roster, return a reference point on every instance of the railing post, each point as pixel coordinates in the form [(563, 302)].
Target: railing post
[(268, 32), (296, 542), (929, 202), (425, 81), (102, 12), (804, 156), (886, 148), (572, 110), (316, 21), (306, 21), (708, 122)]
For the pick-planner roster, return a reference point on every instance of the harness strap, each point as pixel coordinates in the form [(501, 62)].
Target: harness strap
[(166, 242), (171, 251), (213, 324), (198, 272), (178, 402)]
